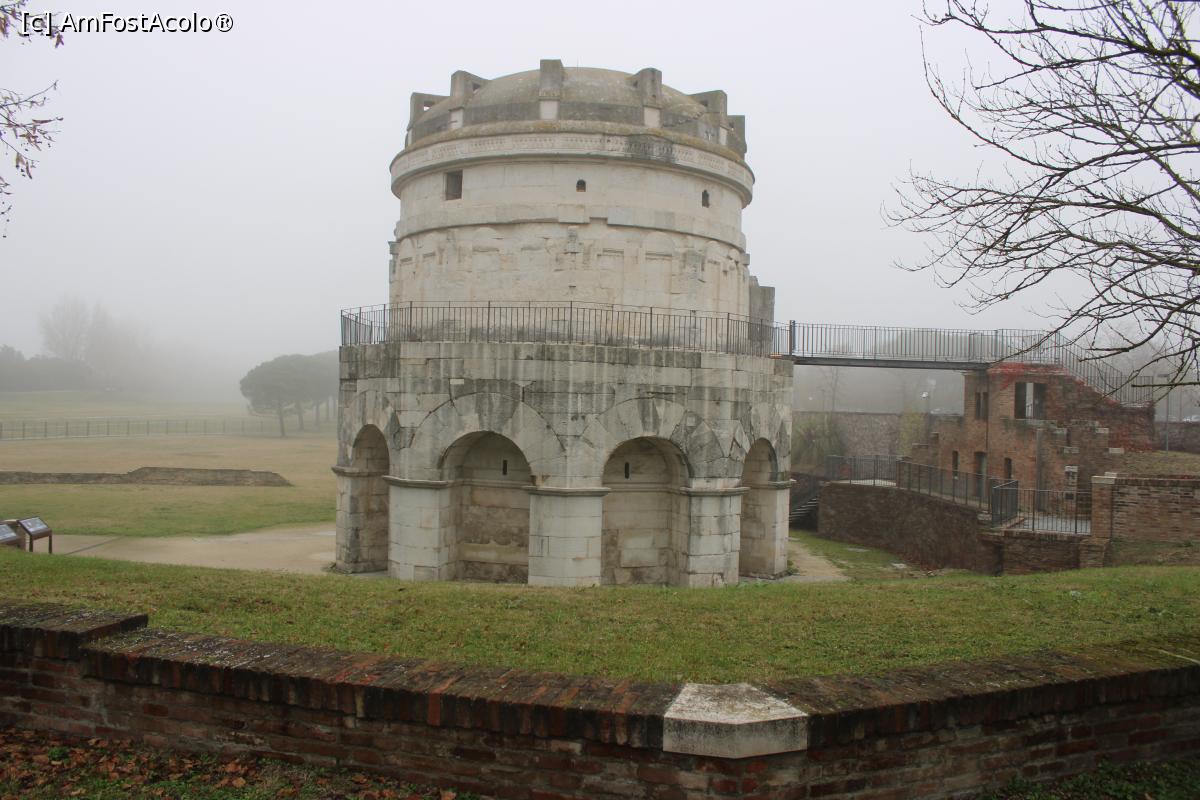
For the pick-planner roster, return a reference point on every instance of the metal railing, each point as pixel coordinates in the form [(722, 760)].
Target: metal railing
[(561, 323), (1010, 507), (877, 470), (965, 488), (946, 345), (673, 329), (1041, 510)]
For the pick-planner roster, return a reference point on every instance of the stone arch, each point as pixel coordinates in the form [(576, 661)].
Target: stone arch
[(758, 541), (644, 521), (773, 423), (656, 418), (488, 477), (482, 412), (369, 407), (362, 525)]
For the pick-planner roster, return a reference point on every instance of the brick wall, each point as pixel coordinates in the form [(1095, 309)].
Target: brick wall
[(936, 533), (922, 530), (936, 732), (1148, 520)]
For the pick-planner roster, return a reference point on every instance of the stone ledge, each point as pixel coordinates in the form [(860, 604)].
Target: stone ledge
[(415, 483), (732, 721)]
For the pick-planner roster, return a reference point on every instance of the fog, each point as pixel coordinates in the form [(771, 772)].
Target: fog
[(228, 193)]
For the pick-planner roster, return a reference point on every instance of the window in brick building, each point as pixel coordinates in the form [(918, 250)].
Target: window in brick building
[(1008, 469), (1037, 408), (954, 463), (981, 405), (1029, 400), (980, 472)]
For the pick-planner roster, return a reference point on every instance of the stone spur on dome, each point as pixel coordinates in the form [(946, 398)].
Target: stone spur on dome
[(571, 383)]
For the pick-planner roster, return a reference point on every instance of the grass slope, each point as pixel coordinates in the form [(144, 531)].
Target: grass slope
[(743, 633)]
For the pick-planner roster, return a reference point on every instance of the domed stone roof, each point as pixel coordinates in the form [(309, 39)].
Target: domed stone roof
[(577, 95)]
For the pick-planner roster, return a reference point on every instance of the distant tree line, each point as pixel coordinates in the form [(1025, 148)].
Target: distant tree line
[(41, 373), (85, 348), (293, 384)]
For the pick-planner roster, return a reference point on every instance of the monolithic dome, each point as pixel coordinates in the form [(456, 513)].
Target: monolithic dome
[(572, 382)]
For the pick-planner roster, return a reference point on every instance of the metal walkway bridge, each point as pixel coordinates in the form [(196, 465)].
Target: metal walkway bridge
[(803, 343)]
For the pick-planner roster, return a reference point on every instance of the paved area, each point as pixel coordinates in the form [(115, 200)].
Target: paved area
[(810, 567), (307, 549)]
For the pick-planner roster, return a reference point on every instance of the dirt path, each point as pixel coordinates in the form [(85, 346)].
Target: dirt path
[(810, 567), (308, 549)]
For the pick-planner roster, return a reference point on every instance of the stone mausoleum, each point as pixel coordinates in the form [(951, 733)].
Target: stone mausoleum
[(572, 381)]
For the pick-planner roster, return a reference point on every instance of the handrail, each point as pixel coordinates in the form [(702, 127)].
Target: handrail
[(588, 323)]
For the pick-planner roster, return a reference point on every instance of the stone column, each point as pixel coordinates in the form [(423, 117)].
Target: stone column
[(709, 555), (421, 532), (564, 535), (361, 539), (764, 545)]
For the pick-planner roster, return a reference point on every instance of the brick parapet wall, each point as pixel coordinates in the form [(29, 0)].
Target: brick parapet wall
[(935, 732), (1149, 519), (923, 530), (936, 533)]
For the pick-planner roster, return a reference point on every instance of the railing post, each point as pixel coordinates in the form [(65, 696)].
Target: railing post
[(791, 337)]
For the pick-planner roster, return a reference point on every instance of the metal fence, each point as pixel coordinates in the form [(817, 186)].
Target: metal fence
[(14, 430), (561, 323), (965, 488), (1010, 506), (672, 329), (862, 469), (957, 346), (1043, 510)]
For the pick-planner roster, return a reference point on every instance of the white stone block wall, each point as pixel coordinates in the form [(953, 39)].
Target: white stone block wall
[(566, 410)]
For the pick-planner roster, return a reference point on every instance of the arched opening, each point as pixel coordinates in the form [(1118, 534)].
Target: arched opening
[(704, 198), (645, 516), (363, 526), (758, 549), (581, 185), (490, 518)]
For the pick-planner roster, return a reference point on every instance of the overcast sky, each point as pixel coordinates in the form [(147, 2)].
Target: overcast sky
[(231, 189)]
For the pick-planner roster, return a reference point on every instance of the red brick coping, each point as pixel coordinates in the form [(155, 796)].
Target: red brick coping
[(941, 731)]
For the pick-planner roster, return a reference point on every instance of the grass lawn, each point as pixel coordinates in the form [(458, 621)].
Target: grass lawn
[(83, 404), (742, 633), (304, 459)]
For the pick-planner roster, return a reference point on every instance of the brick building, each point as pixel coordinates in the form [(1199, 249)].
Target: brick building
[(1036, 424)]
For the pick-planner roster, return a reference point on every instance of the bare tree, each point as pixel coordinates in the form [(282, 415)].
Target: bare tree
[(66, 329), (1090, 108), (24, 128)]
